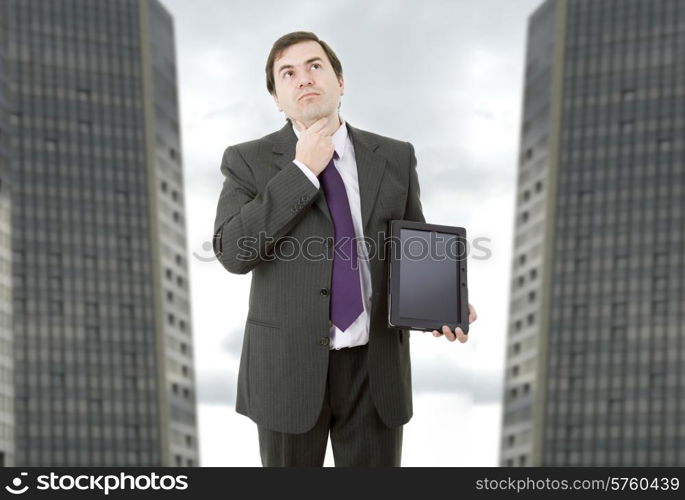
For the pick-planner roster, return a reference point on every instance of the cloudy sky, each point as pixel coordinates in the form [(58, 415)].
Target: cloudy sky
[(446, 76)]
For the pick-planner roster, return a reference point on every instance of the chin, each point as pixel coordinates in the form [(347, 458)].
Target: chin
[(316, 115), (311, 117)]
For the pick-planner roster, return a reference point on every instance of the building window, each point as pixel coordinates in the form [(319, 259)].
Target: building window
[(658, 308), (628, 94), (664, 144), (55, 307)]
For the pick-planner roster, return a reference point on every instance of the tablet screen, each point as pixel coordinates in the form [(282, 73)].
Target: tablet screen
[(429, 280)]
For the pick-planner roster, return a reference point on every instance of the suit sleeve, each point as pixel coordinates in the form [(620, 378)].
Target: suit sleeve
[(413, 211), (248, 223)]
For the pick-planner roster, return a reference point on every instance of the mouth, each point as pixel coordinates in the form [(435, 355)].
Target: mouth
[(310, 94)]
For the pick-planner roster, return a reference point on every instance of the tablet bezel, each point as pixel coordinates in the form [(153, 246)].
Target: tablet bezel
[(394, 319)]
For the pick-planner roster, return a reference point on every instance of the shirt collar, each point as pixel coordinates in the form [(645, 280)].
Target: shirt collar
[(339, 137)]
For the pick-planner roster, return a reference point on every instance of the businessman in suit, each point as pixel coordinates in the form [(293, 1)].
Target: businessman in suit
[(318, 355)]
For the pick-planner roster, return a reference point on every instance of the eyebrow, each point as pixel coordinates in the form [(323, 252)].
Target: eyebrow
[(289, 66)]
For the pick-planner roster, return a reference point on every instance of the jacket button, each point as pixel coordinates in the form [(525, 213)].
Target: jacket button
[(323, 341), (324, 291)]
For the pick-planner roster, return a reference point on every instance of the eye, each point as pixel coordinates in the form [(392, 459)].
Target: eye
[(287, 73), (316, 64)]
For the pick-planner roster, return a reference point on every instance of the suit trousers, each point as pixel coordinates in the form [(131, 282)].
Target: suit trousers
[(358, 435)]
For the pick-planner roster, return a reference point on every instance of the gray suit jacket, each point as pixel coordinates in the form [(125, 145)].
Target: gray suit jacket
[(267, 200)]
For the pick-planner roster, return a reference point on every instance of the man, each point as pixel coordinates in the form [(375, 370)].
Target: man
[(317, 353)]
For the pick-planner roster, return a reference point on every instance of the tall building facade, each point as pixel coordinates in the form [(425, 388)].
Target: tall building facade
[(595, 370), (6, 358), (103, 358)]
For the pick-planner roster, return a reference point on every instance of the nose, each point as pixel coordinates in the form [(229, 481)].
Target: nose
[(305, 81)]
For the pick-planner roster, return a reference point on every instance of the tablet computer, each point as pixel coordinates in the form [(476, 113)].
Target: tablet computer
[(427, 276)]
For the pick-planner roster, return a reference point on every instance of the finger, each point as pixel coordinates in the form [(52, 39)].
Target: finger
[(319, 125), (461, 335), (449, 334), (436, 333), (472, 314)]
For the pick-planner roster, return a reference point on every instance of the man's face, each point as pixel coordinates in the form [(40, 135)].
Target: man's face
[(304, 69)]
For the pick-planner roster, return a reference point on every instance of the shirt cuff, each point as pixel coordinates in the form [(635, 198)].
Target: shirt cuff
[(308, 173)]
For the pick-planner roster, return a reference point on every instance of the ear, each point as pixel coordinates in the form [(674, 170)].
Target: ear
[(341, 81)]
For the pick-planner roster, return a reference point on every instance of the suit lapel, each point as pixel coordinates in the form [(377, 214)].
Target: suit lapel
[(370, 167)]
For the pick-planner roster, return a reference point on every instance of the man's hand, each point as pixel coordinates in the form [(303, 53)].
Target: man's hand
[(458, 333), (315, 146)]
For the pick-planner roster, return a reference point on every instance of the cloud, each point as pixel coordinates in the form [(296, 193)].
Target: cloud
[(216, 387), (232, 343), (444, 376)]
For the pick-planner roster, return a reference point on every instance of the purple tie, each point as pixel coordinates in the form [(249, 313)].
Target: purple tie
[(346, 294)]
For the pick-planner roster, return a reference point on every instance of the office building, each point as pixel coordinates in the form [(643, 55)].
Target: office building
[(595, 370), (102, 341)]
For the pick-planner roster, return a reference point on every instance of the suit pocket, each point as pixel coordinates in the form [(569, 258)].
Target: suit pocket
[(260, 322), (392, 202), (392, 207), (268, 366)]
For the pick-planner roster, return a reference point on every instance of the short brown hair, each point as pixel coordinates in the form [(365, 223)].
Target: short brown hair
[(291, 39)]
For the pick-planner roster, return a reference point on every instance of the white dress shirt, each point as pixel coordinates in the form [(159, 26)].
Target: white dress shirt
[(358, 332)]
